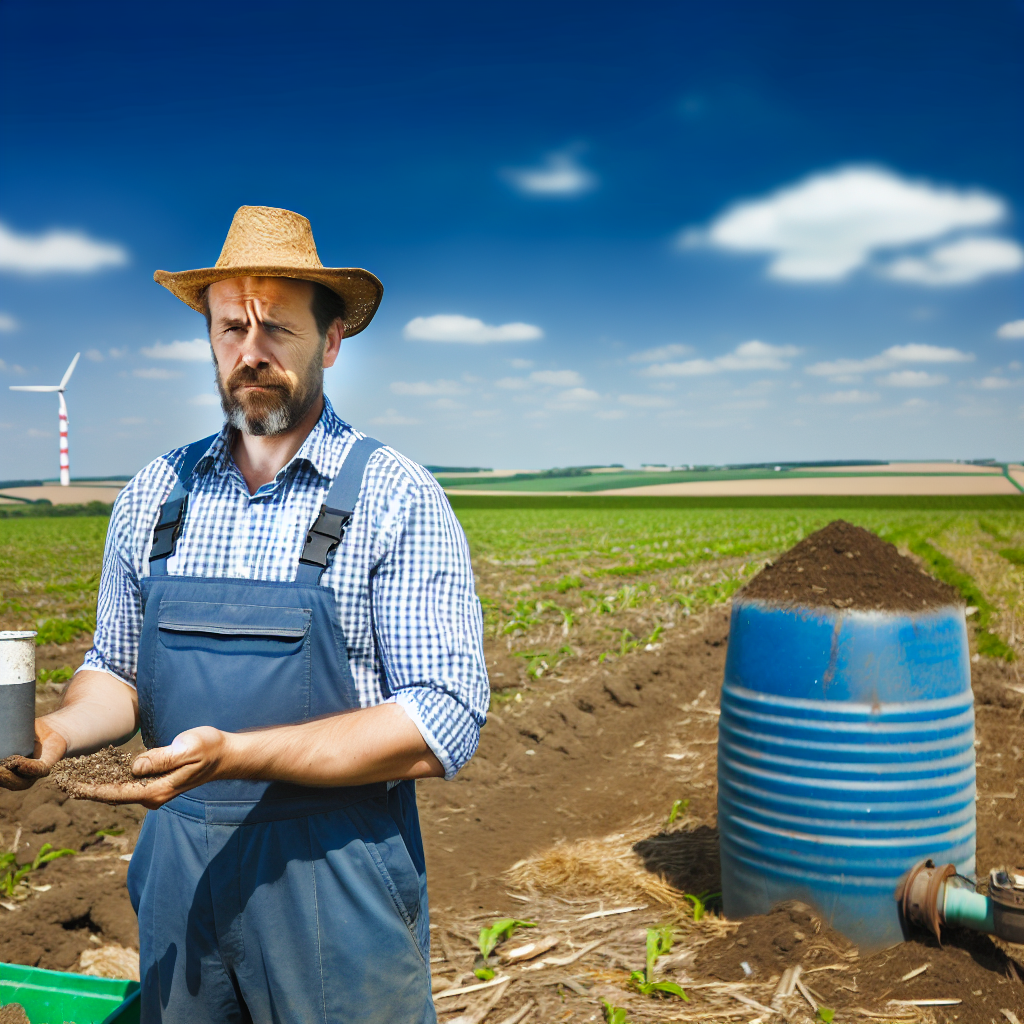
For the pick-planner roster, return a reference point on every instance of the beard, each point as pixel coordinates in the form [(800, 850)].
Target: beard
[(277, 408)]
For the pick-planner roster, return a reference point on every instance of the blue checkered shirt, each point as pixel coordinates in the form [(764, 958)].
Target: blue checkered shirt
[(427, 615)]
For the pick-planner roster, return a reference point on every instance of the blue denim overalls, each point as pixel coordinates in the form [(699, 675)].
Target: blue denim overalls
[(269, 902)]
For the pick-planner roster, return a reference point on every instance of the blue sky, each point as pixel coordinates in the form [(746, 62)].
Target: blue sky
[(667, 232)]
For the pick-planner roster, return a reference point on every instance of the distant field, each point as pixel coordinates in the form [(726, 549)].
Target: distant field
[(615, 570)]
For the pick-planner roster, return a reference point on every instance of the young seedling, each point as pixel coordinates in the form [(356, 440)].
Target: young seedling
[(701, 902), (659, 942), (679, 809), (825, 1014), (614, 1014), (13, 878), (499, 932)]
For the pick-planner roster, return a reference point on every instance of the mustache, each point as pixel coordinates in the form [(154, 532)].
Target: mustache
[(257, 376)]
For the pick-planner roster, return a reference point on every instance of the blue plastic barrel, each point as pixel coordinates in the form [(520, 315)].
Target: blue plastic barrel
[(845, 756)]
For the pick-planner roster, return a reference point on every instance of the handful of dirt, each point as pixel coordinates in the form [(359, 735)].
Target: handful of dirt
[(846, 566), (13, 1013), (78, 776)]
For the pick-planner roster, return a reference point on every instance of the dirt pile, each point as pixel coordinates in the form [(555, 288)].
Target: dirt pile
[(846, 566), (13, 1013), (107, 767)]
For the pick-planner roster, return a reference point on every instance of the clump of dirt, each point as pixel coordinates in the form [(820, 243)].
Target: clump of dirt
[(688, 859), (846, 566), (13, 1013), (769, 943), (110, 766)]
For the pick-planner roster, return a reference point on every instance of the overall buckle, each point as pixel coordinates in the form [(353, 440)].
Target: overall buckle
[(324, 536), (168, 527)]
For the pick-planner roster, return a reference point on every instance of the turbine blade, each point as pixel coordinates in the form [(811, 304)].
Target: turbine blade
[(70, 370), (35, 387)]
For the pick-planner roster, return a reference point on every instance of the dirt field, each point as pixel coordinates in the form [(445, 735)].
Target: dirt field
[(582, 757)]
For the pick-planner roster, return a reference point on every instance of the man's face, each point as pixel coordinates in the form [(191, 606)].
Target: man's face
[(269, 354)]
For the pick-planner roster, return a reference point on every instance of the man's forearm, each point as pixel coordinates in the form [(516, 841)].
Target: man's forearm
[(97, 710), (371, 745)]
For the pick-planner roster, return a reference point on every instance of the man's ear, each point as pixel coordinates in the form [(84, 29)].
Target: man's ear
[(333, 345)]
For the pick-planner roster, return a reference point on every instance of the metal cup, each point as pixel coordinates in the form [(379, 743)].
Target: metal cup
[(17, 692)]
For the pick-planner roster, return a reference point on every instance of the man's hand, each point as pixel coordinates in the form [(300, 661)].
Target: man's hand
[(196, 756), (21, 772)]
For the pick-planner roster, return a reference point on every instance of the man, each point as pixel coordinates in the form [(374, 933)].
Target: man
[(287, 609)]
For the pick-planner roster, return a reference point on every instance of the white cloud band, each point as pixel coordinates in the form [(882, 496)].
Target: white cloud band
[(467, 330), (56, 250)]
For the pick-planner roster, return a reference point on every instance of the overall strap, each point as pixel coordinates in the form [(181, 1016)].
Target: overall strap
[(172, 511), (326, 533)]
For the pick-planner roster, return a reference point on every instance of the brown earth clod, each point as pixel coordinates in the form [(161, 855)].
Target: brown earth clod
[(847, 567), (13, 1013), (78, 776)]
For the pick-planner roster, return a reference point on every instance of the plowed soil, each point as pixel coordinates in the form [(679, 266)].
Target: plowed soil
[(585, 753), (846, 566)]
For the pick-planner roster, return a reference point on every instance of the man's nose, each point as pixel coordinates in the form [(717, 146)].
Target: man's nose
[(255, 346)]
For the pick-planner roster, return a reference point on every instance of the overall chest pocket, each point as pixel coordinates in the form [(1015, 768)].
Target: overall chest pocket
[(232, 666)]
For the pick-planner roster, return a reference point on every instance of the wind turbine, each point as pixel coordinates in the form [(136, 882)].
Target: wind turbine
[(65, 471)]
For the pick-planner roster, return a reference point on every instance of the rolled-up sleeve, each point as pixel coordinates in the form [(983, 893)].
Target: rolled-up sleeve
[(115, 648), (429, 627)]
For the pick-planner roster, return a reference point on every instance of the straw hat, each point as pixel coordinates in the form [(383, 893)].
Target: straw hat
[(266, 242)]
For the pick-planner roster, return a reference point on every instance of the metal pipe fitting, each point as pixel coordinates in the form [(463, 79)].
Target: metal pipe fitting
[(931, 897)]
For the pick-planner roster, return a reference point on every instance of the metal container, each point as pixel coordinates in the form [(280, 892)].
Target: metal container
[(846, 756), (17, 692)]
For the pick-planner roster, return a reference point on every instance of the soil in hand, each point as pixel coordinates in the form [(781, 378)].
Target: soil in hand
[(77, 776), (13, 1013), (846, 566)]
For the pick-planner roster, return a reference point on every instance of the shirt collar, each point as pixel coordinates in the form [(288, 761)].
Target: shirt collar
[(319, 450)]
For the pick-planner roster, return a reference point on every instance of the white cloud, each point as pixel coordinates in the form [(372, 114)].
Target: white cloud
[(424, 389), (1014, 329), (556, 378), (849, 370), (195, 351), (393, 418), (851, 397), (446, 403), (610, 414), (961, 262), (914, 403), (660, 354), (830, 224), (561, 176), (912, 379), (467, 330), (645, 401), (206, 399), (7, 322), (573, 398), (155, 373), (522, 364), (131, 421), (750, 355), (993, 383), (55, 251), (94, 355), (117, 353), (512, 383)]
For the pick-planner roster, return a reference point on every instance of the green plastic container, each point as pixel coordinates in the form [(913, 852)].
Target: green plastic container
[(54, 997)]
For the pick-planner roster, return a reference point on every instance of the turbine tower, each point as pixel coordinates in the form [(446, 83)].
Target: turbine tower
[(65, 470)]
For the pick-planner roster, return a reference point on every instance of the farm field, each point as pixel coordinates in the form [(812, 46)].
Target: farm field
[(606, 632)]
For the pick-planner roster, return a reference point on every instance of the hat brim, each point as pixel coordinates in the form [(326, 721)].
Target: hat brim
[(360, 289)]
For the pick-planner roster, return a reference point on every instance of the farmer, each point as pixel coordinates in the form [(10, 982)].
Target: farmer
[(287, 610)]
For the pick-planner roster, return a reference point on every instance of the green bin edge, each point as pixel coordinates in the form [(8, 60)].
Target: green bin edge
[(53, 997)]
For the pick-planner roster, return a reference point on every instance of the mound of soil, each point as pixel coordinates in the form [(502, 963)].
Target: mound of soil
[(769, 943), (846, 566), (968, 966), (688, 860), (13, 1013), (110, 766)]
